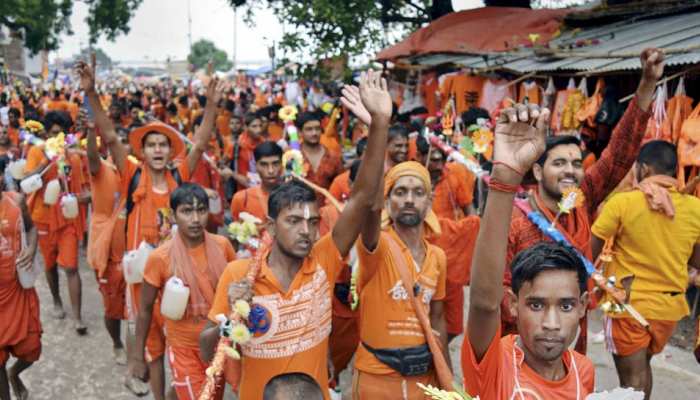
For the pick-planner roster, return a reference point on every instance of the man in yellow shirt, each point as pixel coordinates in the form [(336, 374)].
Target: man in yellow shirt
[(656, 231)]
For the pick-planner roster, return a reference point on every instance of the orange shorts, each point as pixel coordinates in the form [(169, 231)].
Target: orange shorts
[(626, 336), (58, 247), (113, 289), (189, 373), (29, 348), (372, 387), (454, 308)]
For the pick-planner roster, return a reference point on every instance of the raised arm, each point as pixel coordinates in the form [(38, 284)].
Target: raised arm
[(626, 139), (215, 90), (104, 124), (93, 154), (361, 205), (519, 141)]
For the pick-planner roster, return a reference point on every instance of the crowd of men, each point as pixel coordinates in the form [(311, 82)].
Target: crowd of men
[(372, 281)]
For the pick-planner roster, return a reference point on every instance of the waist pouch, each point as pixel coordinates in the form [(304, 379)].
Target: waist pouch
[(407, 361), (342, 293)]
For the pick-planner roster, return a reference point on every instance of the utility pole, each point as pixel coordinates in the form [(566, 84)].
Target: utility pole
[(235, 35), (189, 24)]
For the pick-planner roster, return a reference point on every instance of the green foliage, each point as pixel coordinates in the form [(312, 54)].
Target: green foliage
[(204, 50), (44, 20), (326, 28)]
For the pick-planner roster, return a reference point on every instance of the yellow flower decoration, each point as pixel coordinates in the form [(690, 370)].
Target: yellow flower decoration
[(296, 159), (439, 394), (482, 140), (55, 145), (34, 126), (232, 353), (240, 333), (288, 113), (242, 308), (571, 198)]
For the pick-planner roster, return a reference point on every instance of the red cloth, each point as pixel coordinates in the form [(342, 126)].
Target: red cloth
[(479, 30)]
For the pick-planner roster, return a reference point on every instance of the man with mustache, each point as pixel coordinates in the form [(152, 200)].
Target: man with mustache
[(321, 163), (293, 290), (560, 167), (548, 297), (268, 164)]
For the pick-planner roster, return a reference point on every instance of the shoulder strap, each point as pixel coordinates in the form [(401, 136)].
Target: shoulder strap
[(444, 373), (175, 172), (133, 184)]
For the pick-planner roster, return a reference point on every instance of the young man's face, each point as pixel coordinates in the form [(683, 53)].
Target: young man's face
[(235, 125), (54, 130), (408, 201), (548, 310), (264, 123), (156, 151), (296, 229), (4, 137), (13, 118), (562, 169), (254, 128), (191, 219), (270, 169), (436, 165), (311, 132), (397, 149)]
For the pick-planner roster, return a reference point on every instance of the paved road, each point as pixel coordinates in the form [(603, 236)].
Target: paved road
[(73, 367)]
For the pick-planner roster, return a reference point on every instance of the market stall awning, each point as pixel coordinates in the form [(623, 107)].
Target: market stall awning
[(481, 30)]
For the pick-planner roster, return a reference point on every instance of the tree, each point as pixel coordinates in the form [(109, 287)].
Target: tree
[(329, 28), (42, 21), (204, 50)]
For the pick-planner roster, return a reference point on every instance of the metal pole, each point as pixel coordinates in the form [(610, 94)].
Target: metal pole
[(235, 34), (189, 24)]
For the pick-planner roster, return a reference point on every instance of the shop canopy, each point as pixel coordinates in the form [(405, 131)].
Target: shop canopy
[(481, 30)]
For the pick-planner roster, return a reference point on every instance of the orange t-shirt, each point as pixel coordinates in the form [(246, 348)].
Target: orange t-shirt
[(453, 192), (430, 86), (330, 166), (222, 123), (466, 90), (105, 191), (340, 187), (184, 332), (276, 131), (379, 287), (298, 320), (51, 214), (57, 105), (252, 200), (503, 374), (13, 134)]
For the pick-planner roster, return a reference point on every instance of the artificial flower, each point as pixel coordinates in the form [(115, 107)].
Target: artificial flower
[(240, 333), (288, 113), (571, 198), (242, 308)]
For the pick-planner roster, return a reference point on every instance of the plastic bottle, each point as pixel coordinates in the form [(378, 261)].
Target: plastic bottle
[(17, 169), (52, 191), (69, 206), (134, 262), (174, 301), (31, 184)]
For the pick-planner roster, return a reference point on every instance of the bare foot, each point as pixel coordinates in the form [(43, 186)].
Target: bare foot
[(136, 386), (58, 312), (18, 387), (119, 356)]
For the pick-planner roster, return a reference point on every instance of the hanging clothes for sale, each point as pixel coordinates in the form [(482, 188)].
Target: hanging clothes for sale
[(678, 109), (657, 129), (429, 88), (560, 102), (570, 124), (465, 89), (586, 115), (530, 91), (494, 92), (550, 93), (689, 144)]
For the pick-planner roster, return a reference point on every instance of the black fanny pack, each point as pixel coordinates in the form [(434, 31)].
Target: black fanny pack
[(407, 361)]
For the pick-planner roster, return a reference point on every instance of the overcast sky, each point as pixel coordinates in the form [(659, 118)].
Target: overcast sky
[(159, 30)]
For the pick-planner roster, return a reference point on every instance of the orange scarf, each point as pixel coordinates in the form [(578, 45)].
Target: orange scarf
[(146, 226), (201, 281), (577, 231), (656, 189)]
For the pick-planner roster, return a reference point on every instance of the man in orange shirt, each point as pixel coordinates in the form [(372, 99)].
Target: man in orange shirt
[(242, 152), (20, 335), (268, 163), (549, 293), (147, 187), (58, 236), (340, 187), (388, 320), (294, 287), (453, 184), (321, 164), (15, 124), (196, 258)]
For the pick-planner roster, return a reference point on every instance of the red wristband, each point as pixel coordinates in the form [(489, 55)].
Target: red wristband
[(509, 167), (503, 187)]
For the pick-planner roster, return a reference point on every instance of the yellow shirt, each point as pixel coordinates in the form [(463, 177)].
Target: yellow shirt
[(653, 248)]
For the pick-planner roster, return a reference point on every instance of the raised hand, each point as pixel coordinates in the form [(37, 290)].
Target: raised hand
[(351, 99), (520, 137), (653, 61), (86, 75), (375, 95)]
